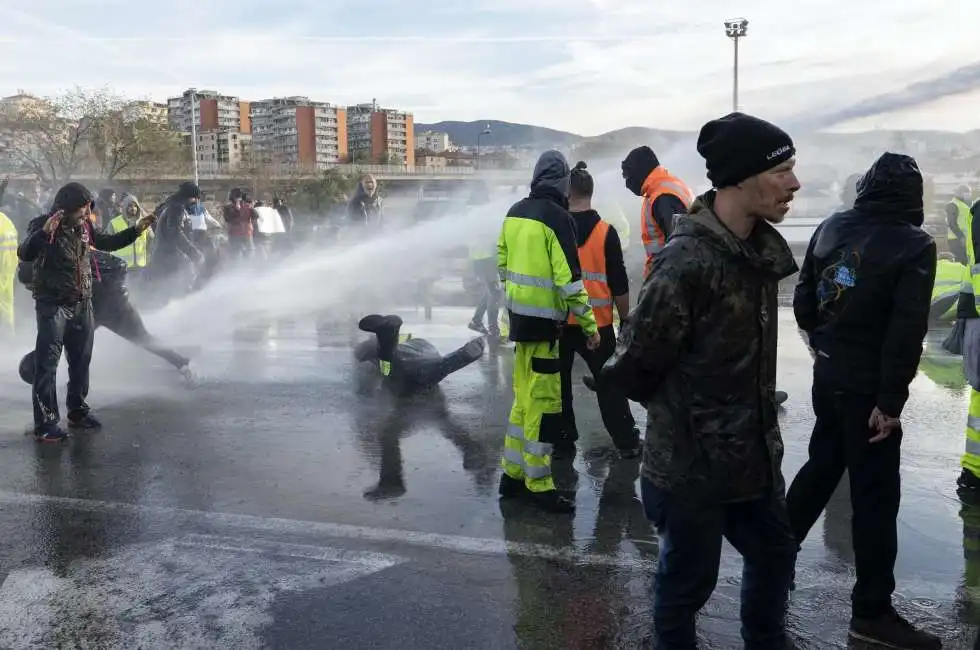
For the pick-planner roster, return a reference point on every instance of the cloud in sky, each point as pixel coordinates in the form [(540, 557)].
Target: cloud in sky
[(582, 65)]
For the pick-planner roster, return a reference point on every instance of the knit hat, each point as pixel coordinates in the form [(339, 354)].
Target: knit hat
[(739, 146), (189, 190), (71, 197)]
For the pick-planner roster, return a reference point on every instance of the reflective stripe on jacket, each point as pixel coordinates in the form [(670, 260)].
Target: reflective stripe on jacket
[(592, 257)]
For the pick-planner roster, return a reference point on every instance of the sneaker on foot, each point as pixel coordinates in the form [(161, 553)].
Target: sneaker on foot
[(87, 421), (188, 373), (50, 433), (892, 631), (477, 326)]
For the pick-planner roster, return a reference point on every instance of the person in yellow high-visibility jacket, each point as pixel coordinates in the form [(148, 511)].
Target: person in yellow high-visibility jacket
[(8, 270), (537, 258), (136, 255)]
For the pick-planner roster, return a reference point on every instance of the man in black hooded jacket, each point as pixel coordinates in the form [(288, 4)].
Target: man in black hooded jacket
[(58, 245), (173, 249), (863, 301)]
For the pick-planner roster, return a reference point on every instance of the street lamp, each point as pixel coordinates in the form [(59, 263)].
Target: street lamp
[(735, 28), (193, 92), (485, 131)]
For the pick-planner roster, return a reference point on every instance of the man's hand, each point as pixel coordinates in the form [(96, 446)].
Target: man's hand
[(593, 342), (52, 223), (884, 424), (145, 222)]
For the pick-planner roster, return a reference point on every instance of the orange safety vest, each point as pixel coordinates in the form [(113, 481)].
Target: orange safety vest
[(659, 182), (592, 258)]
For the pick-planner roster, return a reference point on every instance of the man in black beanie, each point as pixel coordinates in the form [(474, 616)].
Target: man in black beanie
[(699, 351), (58, 245), (664, 197), (174, 255), (863, 301)]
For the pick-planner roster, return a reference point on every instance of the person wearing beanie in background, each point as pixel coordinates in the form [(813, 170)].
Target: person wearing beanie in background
[(604, 274), (699, 351), (174, 256), (863, 300), (538, 261), (664, 195), (57, 245)]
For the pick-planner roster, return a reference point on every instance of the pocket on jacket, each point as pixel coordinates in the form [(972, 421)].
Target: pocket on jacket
[(716, 433)]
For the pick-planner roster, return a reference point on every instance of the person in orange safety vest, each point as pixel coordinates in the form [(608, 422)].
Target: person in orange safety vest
[(664, 195), (604, 276)]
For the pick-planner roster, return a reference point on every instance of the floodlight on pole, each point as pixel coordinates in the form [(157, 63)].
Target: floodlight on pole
[(485, 131), (736, 28), (193, 92)]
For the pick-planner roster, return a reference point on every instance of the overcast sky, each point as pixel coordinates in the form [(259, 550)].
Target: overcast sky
[(586, 66)]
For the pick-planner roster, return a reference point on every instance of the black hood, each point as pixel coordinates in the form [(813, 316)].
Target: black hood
[(637, 165), (892, 188)]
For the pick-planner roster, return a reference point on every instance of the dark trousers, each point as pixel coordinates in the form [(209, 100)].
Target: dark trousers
[(240, 247), (486, 274), (120, 317), (415, 372), (613, 405), (840, 441), (690, 554), (70, 328)]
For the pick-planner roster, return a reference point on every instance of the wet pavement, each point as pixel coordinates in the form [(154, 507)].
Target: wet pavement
[(271, 507)]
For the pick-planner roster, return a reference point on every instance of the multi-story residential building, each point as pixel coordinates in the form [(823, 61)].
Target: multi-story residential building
[(298, 131), (154, 112), (381, 134), (12, 144), (223, 150), (212, 111), (433, 141)]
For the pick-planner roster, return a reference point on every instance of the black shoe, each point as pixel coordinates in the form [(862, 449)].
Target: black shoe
[(374, 323), (781, 397), (381, 492), (511, 487), (892, 631), (50, 433), (968, 481), (474, 349), (551, 501), (85, 422)]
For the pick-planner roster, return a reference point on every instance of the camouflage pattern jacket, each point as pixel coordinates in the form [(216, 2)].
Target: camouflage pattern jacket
[(699, 351)]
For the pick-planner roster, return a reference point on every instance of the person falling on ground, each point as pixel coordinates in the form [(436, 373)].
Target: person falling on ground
[(699, 351), (604, 274), (863, 299), (58, 245), (537, 258), (402, 364)]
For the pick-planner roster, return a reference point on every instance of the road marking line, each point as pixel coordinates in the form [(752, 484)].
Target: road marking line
[(456, 543)]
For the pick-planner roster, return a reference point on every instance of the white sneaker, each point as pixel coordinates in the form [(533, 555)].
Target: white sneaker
[(188, 374)]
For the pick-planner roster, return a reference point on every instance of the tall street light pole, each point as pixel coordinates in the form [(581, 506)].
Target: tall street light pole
[(485, 131), (193, 91), (735, 28)]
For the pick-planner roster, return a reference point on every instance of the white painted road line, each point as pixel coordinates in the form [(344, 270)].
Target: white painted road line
[(459, 544)]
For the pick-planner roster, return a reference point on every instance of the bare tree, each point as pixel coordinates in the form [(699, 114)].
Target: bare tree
[(86, 131)]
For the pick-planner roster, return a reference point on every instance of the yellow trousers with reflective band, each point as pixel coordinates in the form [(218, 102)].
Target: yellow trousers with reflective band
[(535, 417), (971, 457), (8, 271)]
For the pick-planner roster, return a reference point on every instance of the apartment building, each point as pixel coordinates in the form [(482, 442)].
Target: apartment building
[(212, 110), (154, 112), (299, 131), (223, 150), (12, 144), (381, 134), (433, 141)]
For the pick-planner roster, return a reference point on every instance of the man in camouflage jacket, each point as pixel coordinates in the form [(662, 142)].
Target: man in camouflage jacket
[(699, 351)]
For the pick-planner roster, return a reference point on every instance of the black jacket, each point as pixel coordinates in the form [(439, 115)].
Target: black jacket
[(172, 231), (62, 270), (864, 290), (364, 208), (699, 351)]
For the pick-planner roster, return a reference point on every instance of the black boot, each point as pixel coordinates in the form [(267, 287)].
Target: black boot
[(892, 631), (551, 501)]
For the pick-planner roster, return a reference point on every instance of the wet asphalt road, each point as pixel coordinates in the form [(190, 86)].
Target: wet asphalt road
[(270, 507)]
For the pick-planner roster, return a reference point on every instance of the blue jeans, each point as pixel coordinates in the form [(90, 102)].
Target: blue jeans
[(690, 554)]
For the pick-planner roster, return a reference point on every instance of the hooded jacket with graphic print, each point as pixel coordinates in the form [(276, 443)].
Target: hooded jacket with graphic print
[(864, 290), (699, 351)]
